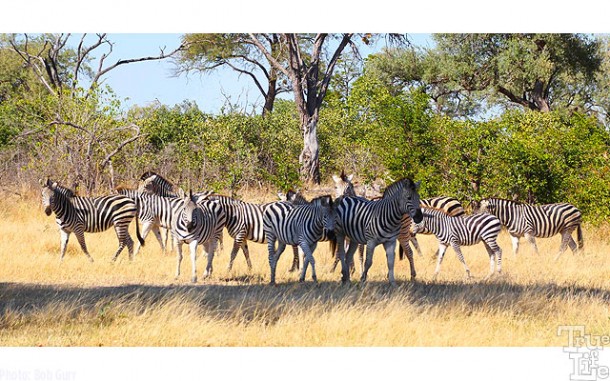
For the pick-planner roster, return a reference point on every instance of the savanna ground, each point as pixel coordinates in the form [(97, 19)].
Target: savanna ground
[(139, 303)]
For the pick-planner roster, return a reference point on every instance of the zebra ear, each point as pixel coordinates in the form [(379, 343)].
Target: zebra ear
[(181, 193), (350, 177), (417, 184), (336, 179)]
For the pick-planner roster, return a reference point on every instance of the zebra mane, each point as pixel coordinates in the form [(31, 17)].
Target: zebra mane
[(67, 192), (402, 183), (318, 200), (148, 174)]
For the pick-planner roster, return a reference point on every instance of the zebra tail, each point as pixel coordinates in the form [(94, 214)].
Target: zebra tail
[(138, 222), (581, 242), (401, 253)]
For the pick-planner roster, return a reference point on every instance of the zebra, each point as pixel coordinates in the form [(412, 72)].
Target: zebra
[(373, 223), (154, 212), (449, 205), (154, 183), (80, 215), (462, 231), (244, 222), (541, 221), (197, 222), (302, 225), (151, 183)]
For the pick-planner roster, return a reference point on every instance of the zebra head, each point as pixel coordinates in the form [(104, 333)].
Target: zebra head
[(485, 206), (329, 214), (189, 213), (344, 185), (406, 191), (296, 198), (48, 195)]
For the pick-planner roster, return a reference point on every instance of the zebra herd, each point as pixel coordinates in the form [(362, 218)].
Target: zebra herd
[(348, 223)]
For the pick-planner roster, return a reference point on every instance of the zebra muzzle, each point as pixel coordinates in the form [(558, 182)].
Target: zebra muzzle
[(48, 210), (191, 226)]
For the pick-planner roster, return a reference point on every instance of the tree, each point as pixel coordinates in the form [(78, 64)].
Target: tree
[(310, 76), (534, 71), (209, 51), (74, 119)]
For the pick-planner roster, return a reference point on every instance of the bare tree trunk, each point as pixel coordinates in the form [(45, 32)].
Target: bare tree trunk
[(309, 157), (270, 95)]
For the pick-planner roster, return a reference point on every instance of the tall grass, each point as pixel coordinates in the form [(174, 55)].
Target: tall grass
[(139, 303)]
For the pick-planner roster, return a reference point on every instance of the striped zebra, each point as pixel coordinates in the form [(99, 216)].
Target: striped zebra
[(531, 221), (345, 187), (374, 223), (302, 225), (154, 183), (80, 215), (197, 222), (449, 205), (154, 212), (462, 231), (244, 222)]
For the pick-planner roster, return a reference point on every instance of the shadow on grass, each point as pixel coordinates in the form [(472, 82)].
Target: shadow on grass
[(254, 299)]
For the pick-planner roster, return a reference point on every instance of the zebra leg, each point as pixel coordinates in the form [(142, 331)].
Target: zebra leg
[(246, 251), (210, 249), (80, 236), (407, 249), (307, 259), (460, 256), (341, 255), (157, 231), (370, 250), (442, 248), (492, 262), (515, 240), (236, 245), (566, 239), (390, 253), (532, 241), (348, 261), (193, 251), (361, 257), (178, 257), (295, 259), (167, 234), (122, 234), (416, 246), (63, 243)]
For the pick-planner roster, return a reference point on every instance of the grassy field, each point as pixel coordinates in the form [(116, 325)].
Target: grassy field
[(139, 303)]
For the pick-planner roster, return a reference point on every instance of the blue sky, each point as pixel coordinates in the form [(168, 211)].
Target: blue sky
[(142, 83)]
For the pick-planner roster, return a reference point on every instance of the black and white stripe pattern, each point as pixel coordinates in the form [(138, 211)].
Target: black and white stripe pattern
[(153, 183), (197, 222), (154, 212), (80, 215), (462, 231), (375, 222), (302, 225), (449, 205), (543, 221)]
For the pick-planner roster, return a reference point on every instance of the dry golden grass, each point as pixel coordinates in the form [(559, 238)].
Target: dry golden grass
[(139, 303)]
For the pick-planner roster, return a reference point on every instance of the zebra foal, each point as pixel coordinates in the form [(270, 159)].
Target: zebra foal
[(80, 215), (533, 221), (302, 225), (462, 231)]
